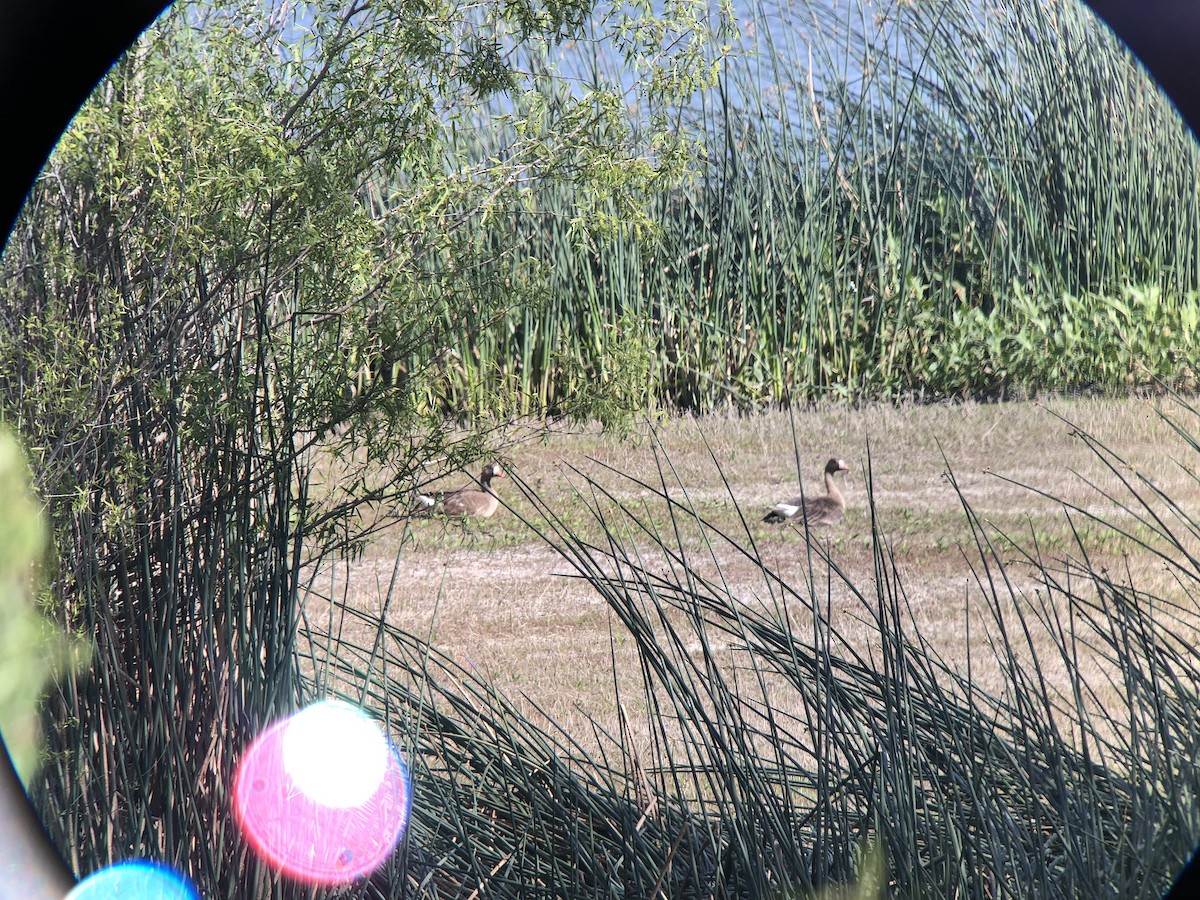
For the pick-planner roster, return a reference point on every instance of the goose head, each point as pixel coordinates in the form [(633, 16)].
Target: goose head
[(836, 465)]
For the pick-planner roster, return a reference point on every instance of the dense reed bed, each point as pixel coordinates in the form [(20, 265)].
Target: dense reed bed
[(975, 198)]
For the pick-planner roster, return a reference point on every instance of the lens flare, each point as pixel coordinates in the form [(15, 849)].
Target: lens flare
[(335, 755), (323, 795), (133, 881)]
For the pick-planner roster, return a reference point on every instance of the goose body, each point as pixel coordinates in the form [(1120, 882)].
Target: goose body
[(467, 502), (815, 510)]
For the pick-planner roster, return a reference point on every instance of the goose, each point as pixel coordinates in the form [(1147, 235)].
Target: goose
[(466, 502), (827, 510)]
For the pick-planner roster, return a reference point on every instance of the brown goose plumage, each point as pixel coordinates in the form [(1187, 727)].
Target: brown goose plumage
[(816, 511), (468, 502)]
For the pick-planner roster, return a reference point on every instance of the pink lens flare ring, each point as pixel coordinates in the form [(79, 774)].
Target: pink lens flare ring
[(322, 795)]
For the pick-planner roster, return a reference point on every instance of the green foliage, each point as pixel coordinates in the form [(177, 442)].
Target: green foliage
[(32, 650), (248, 254), (617, 383), (261, 226), (1063, 343), (896, 199)]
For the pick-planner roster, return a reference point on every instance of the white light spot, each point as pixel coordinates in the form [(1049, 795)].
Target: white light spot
[(335, 754)]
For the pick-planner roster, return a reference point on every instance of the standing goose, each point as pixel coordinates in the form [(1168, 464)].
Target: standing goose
[(467, 502), (827, 510)]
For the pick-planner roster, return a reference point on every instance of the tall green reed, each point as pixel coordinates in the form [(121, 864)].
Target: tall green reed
[(894, 198), (180, 564)]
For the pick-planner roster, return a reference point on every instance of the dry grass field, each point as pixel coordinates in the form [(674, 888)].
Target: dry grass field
[(501, 601)]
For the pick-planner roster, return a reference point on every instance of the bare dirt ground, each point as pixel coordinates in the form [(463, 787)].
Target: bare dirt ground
[(501, 601)]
